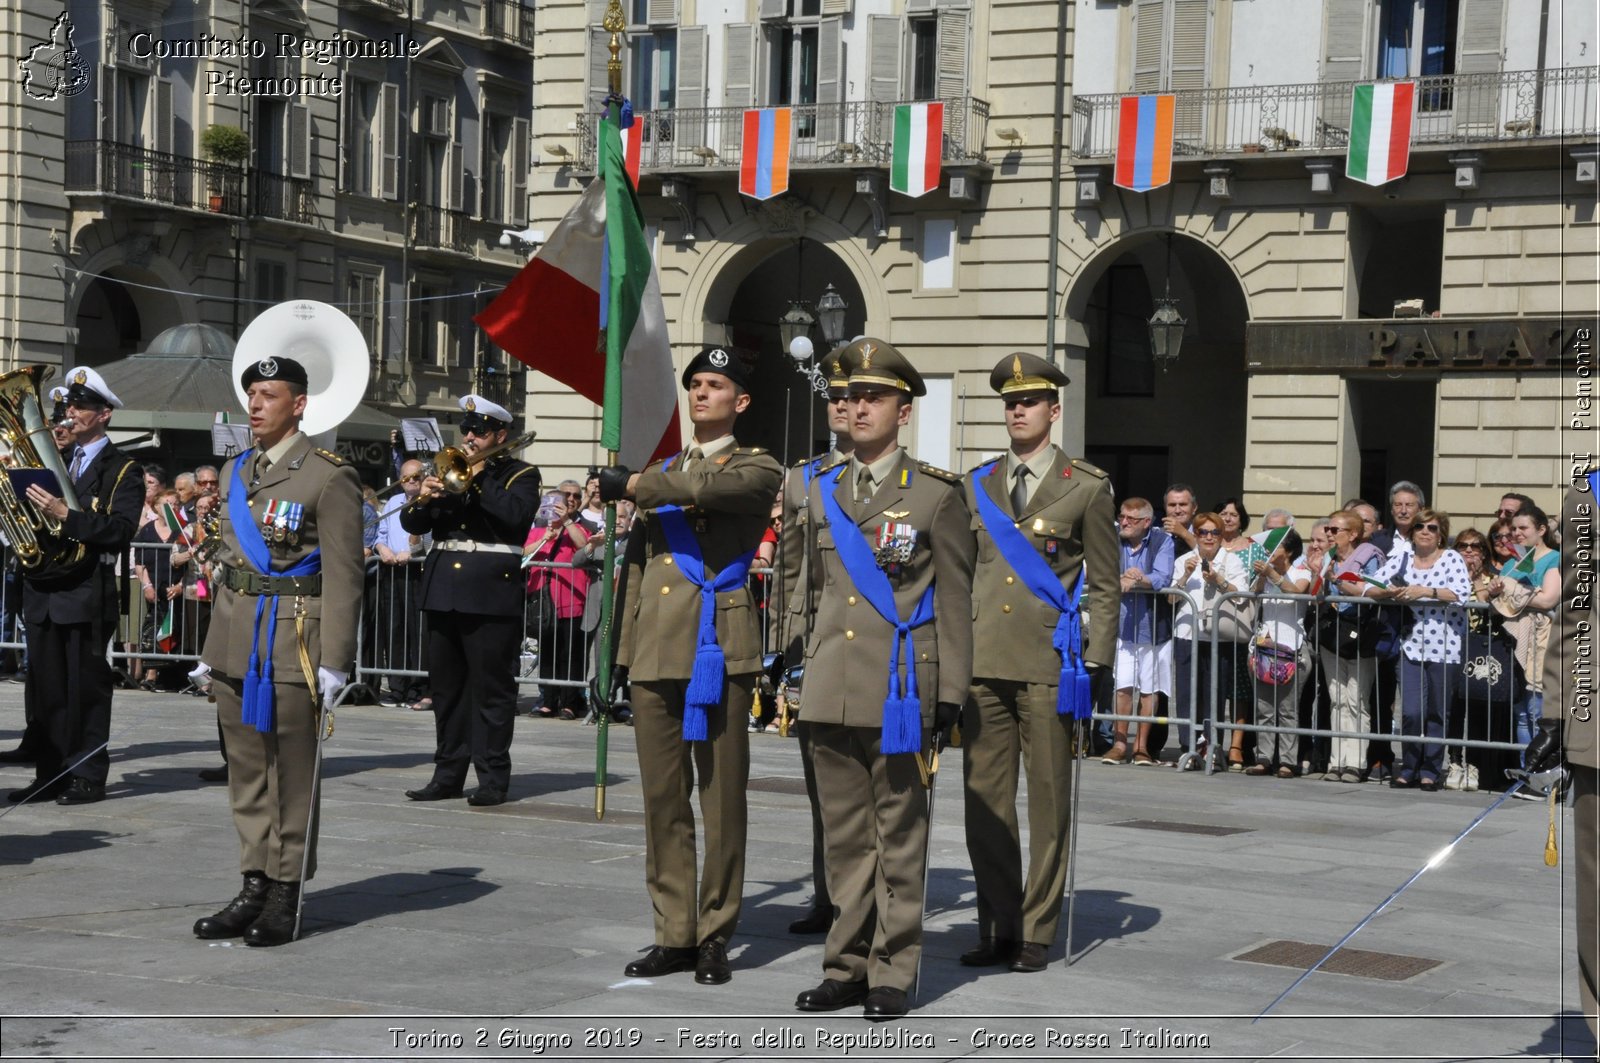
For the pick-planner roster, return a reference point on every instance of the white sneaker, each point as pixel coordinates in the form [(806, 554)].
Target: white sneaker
[(1452, 778), (1470, 782)]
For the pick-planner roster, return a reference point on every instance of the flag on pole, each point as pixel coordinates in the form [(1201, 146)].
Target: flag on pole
[(1144, 142), (1380, 131), (547, 315), (165, 637), (1270, 539), (177, 523), (918, 148), (764, 153), (632, 137)]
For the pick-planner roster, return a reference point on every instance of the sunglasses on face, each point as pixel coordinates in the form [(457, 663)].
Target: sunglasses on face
[(570, 494), (205, 483), (414, 478), (1428, 528), (1469, 546), (1502, 537), (1207, 533)]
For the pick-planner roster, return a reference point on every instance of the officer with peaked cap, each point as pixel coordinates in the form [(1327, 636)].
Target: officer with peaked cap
[(70, 603), (1047, 555), (281, 642), (888, 570), (791, 626), (472, 594), (691, 645)]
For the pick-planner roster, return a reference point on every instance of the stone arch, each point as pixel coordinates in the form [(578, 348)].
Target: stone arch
[(148, 287)]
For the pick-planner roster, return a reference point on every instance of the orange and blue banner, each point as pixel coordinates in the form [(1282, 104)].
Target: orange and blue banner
[(1144, 142), (764, 153)]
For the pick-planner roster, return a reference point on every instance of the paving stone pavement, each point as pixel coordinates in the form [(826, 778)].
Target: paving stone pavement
[(439, 931)]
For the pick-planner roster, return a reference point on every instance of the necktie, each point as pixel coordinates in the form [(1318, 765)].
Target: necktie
[(263, 463), (77, 464), (1019, 491), (864, 484), (692, 458)]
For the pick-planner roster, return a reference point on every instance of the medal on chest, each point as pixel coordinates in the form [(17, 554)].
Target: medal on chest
[(281, 521), (894, 544)]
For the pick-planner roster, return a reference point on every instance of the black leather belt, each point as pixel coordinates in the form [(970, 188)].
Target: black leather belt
[(248, 581)]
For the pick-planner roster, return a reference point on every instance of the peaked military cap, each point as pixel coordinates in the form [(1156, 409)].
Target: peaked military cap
[(873, 363), (1026, 374)]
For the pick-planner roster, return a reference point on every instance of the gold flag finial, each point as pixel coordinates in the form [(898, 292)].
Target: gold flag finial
[(614, 24)]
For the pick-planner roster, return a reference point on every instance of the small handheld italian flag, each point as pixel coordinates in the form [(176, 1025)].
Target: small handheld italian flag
[(1380, 131), (177, 523), (1270, 539), (918, 148), (166, 638)]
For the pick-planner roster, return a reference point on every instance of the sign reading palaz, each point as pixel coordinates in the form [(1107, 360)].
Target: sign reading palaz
[(1482, 344)]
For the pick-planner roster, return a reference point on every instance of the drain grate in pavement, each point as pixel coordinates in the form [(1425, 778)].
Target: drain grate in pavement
[(1387, 966), (1182, 828), (778, 784)]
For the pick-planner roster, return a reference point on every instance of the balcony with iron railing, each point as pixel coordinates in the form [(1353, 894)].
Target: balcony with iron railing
[(284, 198), (107, 167), (840, 136), (440, 228), (1452, 111), (510, 21)]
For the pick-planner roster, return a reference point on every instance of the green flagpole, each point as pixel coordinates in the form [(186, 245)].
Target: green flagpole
[(611, 416)]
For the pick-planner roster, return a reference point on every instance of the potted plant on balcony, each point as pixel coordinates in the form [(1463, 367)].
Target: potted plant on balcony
[(228, 145)]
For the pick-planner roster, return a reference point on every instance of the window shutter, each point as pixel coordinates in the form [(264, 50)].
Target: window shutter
[(599, 56), (458, 177), (389, 134), (830, 79), (519, 171), (161, 120), (773, 9), (108, 103), (837, 7), (953, 32), (884, 36), (299, 140), (1149, 34), (1186, 67), (663, 12), (1344, 49), (1481, 36), (739, 65), (689, 113)]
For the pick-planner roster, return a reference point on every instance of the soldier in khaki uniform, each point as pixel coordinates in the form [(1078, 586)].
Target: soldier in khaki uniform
[(791, 629), (1570, 714), (693, 669), (1065, 513), (278, 629), (887, 533)]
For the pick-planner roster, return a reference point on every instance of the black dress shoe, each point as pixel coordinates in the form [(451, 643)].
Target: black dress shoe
[(832, 995), (240, 912), (660, 960), (213, 774), (485, 796), (275, 924), (885, 1003), (40, 788), (816, 921), (20, 755), (434, 791), (712, 967), (82, 792), (1030, 958), (989, 953)]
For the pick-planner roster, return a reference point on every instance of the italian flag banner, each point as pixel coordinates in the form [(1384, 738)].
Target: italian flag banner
[(918, 148), (165, 638), (1270, 539), (1380, 131)]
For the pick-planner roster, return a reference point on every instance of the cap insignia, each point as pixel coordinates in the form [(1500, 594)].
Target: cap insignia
[(1016, 368), (718, 358), (267, 367), (471, 404), (80, 377), (866, 355)]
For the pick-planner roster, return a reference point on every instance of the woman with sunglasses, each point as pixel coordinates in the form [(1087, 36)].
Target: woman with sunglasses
[(1536, 573), (1204, 574), (1473, 717), (1349, 679), (1502, 542), (1431, 580)]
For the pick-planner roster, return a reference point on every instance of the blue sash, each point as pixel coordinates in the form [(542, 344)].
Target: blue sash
[(1072, 693), (902, 709), (710, 666), (257, 701)]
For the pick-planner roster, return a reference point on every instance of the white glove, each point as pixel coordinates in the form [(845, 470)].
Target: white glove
[(201, 670), (329, 682)]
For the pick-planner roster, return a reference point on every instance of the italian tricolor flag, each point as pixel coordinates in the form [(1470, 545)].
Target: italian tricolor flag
[(918, 148), (165, 637), (1380, 131)]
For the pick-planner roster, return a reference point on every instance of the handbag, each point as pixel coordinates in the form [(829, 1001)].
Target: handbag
[(1490, 672), (1236, 619), (1273, 663)]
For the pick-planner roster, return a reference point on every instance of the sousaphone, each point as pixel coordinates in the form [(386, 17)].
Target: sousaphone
[(325, 341)]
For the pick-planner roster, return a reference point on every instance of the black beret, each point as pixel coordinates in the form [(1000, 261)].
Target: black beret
[(718, 360), (285, 369)]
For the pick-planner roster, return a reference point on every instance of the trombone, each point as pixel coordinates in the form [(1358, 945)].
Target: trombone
[(456, 469)]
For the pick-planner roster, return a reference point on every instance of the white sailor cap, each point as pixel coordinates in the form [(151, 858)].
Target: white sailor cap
[(476, 406), (85, 387)]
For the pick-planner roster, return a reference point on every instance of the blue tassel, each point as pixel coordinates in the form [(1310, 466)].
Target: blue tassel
[(705, 682), (1082, 696), (695, 728), (902, 725)]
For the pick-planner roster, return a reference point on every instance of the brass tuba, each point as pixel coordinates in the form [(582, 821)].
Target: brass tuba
[(36, 537)]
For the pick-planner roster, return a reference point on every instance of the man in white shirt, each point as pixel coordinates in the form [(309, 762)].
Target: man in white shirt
[(396, 620)]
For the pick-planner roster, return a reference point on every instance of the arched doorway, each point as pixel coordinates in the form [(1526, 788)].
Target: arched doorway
[(115, 319), (1145, 426), (786, 415)]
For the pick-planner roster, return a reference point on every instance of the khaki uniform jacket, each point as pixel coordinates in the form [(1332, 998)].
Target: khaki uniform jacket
[(1070, 519), (331, 493), (1569, 678), (847, 655), (728, 503), (787, 631)]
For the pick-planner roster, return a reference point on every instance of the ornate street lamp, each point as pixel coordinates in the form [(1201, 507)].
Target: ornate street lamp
[(1166, 330), (831, 308), (796, 323)]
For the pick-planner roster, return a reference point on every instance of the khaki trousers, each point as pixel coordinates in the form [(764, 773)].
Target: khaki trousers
[(875, 831), (670, 770), (1007, 722), (269, 780)]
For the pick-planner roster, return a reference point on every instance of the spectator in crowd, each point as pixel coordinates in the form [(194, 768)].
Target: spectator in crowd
[(1511, 504), (1369, 518), (1502, 544), (160, 574), (1235, 533), (1478, 719), (1349, 676), (1242, 692), (197, 595), (1279, 665), (183, 485), (593, 514), (1277, 518), (394, 614), (1405, 499), (206, 481), (1204, 574), (1429, 580), (1313, 693), (153, 486), (1528, 590), (369, 520), (1144, 632), (557, 589), (1179, 518), (592, 554)]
